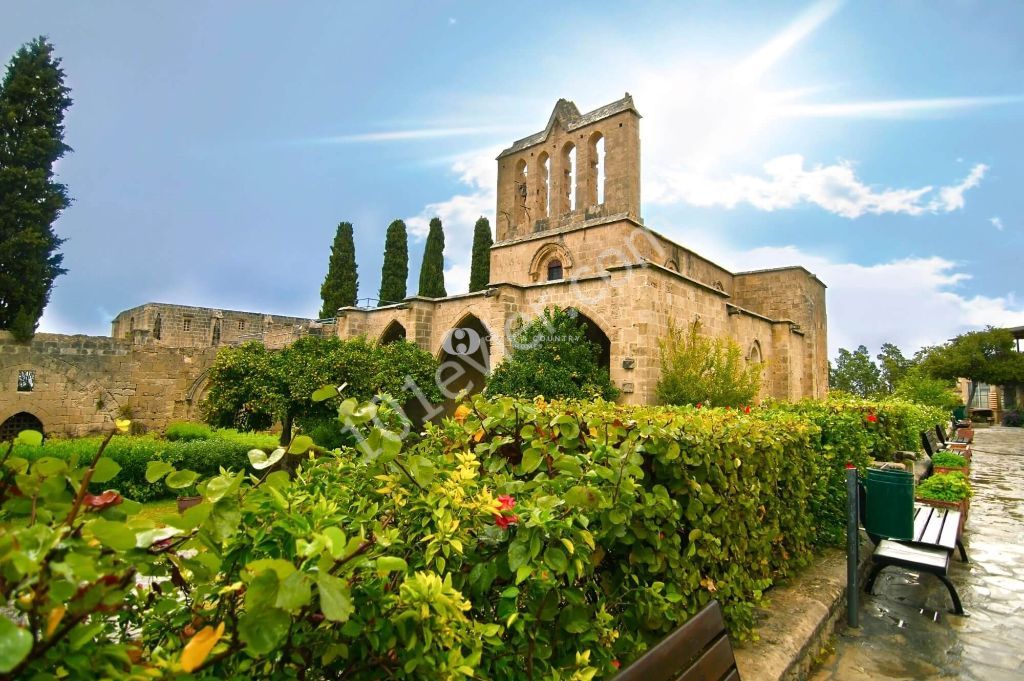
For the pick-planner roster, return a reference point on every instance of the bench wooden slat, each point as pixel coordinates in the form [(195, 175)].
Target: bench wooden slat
[(932, 526), (700, 646), (950, 530), (937, 557), (713, 664)]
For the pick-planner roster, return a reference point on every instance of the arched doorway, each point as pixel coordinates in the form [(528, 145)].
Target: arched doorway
[(465, 357), (393, 332), (596, 335), (23, 420)]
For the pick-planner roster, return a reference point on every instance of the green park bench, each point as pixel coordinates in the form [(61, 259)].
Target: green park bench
[(906, 534), (697, 651)]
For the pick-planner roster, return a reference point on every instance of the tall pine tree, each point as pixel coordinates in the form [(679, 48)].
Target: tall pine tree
[(33, 99), (395, 272), (342, 281), (432, 269), (480, 268)]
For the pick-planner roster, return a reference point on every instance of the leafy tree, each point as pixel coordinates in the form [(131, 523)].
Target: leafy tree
[(893, 365), (395, 272), (432, 269), (856, 373), (699, 369), (33, 99), (252, 387), (988, 356), (551, 356), (342, 281), (917, 386), (480, 268)]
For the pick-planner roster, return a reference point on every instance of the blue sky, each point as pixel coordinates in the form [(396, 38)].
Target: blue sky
[(217, 145)]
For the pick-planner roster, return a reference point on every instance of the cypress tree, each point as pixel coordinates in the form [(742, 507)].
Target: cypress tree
[(395, 272), (480, 268), (342, 281), (33, 99), (432, 269)]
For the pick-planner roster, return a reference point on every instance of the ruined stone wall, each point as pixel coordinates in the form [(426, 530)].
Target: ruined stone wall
[(81, 383), (185, 326)]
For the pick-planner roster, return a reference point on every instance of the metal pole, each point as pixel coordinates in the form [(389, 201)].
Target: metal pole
[(852, 546)]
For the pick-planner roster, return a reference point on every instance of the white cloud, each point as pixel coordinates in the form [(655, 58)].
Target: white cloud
[(478, 172), (786, 183), (997, 222), (412, 134), (911, 302)]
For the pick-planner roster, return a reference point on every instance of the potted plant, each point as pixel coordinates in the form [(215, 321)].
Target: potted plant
[(951, 462), (947, 490)]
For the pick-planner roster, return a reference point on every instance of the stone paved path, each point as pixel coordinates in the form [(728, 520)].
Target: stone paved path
[(906, 629)]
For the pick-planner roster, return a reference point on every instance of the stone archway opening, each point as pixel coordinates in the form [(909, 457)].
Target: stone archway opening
[(465, 357), (393, 333), (596, 335), (23, 420)]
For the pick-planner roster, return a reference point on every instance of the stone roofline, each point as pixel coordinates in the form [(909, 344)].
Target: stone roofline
[(214, 309), (784, 268), (571, 119)]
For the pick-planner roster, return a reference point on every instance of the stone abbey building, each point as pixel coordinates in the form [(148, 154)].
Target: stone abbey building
[(568, 233)]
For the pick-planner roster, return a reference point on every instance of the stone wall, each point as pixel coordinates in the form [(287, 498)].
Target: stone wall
[(81, 383), (185, 326)]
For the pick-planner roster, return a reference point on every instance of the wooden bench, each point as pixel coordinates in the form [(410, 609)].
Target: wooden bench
[(697, 651), (930, 442), (936, 535), (945, 441)]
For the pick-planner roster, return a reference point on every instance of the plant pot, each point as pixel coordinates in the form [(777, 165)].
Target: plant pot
[(963, 506), (938, 470), (185, 503)]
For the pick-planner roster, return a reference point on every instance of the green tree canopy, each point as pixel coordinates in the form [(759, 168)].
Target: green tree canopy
[(893, 365), (252, 387), (551, 356), (699, 369), (395, 272), (988, 356), (480, 267), (33, 99), (341, 284), (856, 373), (432, 268)]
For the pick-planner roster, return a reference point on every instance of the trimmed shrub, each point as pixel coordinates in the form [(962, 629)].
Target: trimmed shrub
[(949, 460), (952, 487), (1013, 419), (698, 369), (186, 430)]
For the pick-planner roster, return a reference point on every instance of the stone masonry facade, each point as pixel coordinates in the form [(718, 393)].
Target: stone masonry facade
[(569, 234)]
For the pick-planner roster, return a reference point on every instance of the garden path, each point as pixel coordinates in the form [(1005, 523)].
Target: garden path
[(906, 629)]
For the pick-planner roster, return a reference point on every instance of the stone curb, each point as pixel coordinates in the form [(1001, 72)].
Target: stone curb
[(799, 620)]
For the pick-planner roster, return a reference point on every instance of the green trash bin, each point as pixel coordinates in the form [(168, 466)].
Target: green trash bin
[(889, 499), (960, 413)]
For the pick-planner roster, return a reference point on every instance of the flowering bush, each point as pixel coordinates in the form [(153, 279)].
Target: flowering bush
[(520, 539)]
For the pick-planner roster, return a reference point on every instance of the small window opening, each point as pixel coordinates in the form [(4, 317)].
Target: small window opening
[(215, 338), (554, 270), (157, 327), (186, 324), (241, 325), (26, 381)]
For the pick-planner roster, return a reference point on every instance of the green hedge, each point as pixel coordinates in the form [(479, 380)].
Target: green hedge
[(224, 448)]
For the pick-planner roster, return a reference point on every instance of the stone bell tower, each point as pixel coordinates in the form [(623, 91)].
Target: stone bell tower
[(580, 167)]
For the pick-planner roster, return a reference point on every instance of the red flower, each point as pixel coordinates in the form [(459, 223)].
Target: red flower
[(728, 408), (616, 664), (872, 418), (746, 410), (700, 404), (850, 466), (98, 502), (507, 502), (503, 521)]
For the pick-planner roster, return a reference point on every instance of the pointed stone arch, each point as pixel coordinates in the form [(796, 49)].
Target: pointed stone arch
[(392, 332), (15, 423), (543, 257), (596, 335), (754, 355), (464, 357)]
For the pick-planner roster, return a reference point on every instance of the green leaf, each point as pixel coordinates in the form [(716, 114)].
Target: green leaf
[(300, 444), (263, 630), (324, 393), (115, 535), (282, 567), (156, 470), (386, 564), (15, 642), (193, 517), (48, 465), (531, 459), (147, 538), (582, 496), (32, 438), (262, 591), (181, 479), (335, 599), (337, 541), (294, 592), (259, 460), (556, 559), (106, 469), (518, 555)]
